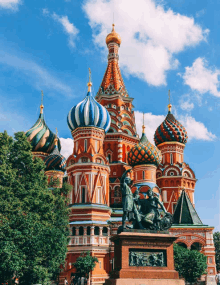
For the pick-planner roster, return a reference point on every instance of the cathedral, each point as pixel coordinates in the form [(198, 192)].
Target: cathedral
[(106, 144)]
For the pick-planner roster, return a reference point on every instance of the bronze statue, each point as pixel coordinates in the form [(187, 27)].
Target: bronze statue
[(144, 213), (130, 210)]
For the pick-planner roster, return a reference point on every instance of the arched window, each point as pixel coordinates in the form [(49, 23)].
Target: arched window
[(83, 195), (96, 231), (182, 244), (117, 192), (76, 146), (85, 145), (105, 231), (88, 231), (196, 246), (143, 174), (109, 158), (73, 231), (80, 231)]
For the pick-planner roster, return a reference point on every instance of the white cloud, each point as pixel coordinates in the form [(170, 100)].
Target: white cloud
[(196, 130), (186, 104), (202, 78), (68, 27), (151, 36), (39, 76), (45, 11), (66, 147), (10, 4)]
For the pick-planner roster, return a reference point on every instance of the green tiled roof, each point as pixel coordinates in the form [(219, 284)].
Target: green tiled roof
[(185, 213)]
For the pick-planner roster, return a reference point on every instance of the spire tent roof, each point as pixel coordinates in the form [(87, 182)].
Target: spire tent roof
[(112, 82), (185, 212)]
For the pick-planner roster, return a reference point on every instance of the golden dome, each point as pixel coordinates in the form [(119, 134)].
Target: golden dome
[(113, 37)]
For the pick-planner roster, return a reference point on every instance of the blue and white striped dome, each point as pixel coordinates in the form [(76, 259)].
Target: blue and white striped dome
[(89, 113)]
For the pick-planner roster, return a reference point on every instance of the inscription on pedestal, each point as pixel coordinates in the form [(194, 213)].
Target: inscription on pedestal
[(144, 257)]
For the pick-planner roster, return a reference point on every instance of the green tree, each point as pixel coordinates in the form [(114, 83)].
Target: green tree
[(85, 263), (33, 219), (216, 237), (190, 264)]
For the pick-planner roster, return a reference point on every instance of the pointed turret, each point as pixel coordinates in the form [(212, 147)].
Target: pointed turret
[(185, 213)]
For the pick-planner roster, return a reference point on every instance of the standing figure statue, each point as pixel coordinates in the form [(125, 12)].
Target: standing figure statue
[(129, 205)]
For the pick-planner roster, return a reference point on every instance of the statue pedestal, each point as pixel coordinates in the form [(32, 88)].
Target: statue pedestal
[(143, 258)]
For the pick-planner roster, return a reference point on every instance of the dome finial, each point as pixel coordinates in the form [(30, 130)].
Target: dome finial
[(169, 105), (143, 127), (42, 106), (89, 83), (113, 27)]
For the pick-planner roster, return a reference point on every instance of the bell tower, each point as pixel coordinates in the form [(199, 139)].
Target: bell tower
[(122, 135)]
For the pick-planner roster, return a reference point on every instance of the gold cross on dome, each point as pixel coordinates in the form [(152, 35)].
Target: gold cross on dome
[(56, 131), (143, 127), (42, 97), (89, 74)]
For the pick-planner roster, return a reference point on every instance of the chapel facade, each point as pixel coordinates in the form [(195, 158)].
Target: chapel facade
[(106, 144)]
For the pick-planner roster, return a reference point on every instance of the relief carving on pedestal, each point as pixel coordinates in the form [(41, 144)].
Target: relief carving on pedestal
[(147, 258)]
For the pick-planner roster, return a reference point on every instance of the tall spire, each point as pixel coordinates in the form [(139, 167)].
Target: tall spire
[(89, 84), (169, 105), (112, 82), (42, 106)]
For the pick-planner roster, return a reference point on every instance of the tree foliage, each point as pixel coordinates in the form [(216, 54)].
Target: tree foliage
[(216, 237), (85, 263), (190, 264), (33, 219)]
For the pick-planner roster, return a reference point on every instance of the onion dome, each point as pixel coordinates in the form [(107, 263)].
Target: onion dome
[(40, 136), (89, 113), (113, 37), (55, 161), (144, 152), (170, 130)]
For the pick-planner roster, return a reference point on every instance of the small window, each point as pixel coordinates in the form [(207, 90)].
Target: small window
[(105, 231), (171, 158), (76, 146), (114, 106), (81, 231), (171, 173), (85, 145), (84, 159), (96, 231), (98, 160), (83, 195), (88, 231), (117, 192), (143, 174), (73, 231), (109, 158)]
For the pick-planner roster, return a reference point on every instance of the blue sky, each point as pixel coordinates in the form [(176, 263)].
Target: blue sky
[(49, 45)]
